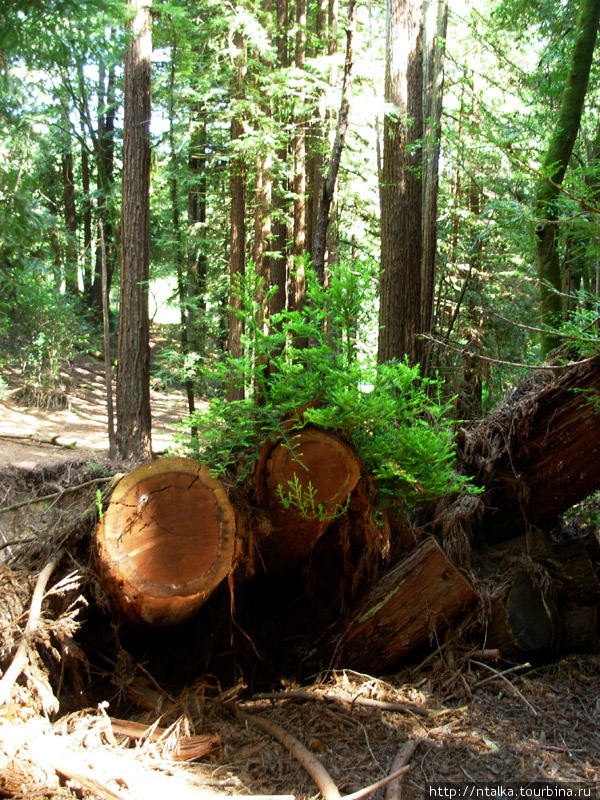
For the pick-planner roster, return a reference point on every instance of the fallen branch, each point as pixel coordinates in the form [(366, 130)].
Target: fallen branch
[(378, 785), (32, 438), (402, 758), (498, 673), (503, 677), (54, 496), (382, 705), (20, 659), (304, 757), (313, 766)]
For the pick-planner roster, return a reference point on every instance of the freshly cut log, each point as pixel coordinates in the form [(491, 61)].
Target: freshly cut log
[(420, 597), (165, 541), (307, 480), (522, 621)]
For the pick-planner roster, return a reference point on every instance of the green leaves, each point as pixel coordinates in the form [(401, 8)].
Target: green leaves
[(395, 420)]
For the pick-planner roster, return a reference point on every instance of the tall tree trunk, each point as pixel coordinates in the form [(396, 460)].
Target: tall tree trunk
[(297, 283), (104, 157), (134, 423), (197, 259), (316, 131), (401, 192), (555, 166), (434, 36), (263, 191), (179, 247), (88, 262), (332, 25), (278, 260), (336, 153), (70, 210), (71, 282), (237, 252)]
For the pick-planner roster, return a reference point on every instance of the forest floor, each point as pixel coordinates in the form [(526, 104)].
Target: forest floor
[(30, 436), (474, 726)]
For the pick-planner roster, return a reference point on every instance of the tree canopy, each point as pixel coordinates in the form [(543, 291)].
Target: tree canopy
[(421, 182)]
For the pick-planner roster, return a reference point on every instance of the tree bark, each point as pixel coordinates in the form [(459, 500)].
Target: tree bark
[(297, 280), (537, 455), (555, 166), (434, 47), (237, 253), (197, 209), (401, 191), (70, 212), (134, 423), (278, 260), (166, 541), (104, 160), (329, 183), (416, 600), (180, 255)]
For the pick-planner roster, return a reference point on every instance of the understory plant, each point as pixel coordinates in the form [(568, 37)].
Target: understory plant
[(394, 419)]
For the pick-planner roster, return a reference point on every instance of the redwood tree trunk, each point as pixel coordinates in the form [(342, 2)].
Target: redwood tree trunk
[(297, 282), (329, 183), (434, 40), (415, 600), (278, 259), (237, 253), (401, 191), (134, 423)]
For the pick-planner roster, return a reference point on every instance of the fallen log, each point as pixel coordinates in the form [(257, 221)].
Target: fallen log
[(522, 620), (415, 601), (166, 541), (306, 482), (539, 453)]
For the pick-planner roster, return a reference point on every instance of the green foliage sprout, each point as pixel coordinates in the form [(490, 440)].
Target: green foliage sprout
[(394, 419), (99, 504), (303, 500)]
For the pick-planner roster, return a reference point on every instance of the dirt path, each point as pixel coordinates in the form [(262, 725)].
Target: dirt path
[(80, 430)]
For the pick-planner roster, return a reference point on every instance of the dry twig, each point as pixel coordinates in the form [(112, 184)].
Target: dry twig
[(503, 677), (342, 697), (313, 766), (20, 660), (304, 757), (394, 791), (34, 500)]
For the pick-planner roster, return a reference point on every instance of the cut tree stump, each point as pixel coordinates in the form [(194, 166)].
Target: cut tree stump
[(522, 621), (166, 541), (316, 471), (417, 599)]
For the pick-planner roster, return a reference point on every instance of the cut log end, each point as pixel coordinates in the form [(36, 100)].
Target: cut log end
[(316, 472), (166, 540), (317, 458)]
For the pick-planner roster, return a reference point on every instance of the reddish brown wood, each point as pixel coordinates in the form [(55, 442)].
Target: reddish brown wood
[(320, 462), (539, 453), (166, 540), (413, 602)]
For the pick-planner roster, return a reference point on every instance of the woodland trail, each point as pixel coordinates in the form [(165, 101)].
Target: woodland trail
[(80, 430)]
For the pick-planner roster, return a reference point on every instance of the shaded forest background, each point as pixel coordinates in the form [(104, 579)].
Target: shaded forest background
[(331, 191)]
